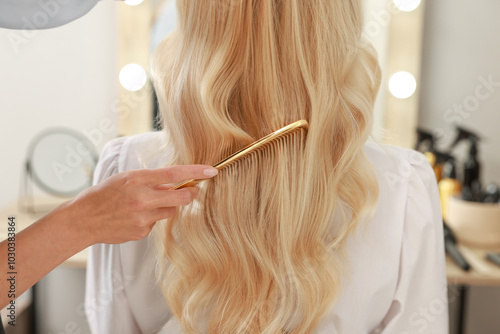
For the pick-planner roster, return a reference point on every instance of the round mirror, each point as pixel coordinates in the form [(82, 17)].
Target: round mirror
[(61, 161)]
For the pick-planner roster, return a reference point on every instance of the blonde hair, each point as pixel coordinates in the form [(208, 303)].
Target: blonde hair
[(257, 252)]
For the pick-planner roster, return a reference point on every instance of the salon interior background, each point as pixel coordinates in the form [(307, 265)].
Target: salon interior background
[(69, 77)]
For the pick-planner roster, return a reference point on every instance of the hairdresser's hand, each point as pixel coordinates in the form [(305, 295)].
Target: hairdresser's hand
[(126, 206), (123, 207)]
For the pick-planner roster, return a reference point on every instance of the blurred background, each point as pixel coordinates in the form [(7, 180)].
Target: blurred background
[(89, 79)]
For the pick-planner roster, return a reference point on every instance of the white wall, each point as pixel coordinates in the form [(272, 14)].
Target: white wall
[(461, 49), (67, 77), (461, 45)]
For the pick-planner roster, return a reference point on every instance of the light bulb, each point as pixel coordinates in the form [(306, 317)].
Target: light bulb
[(133, 77), (136, 2), (402, 85), (407, 5)]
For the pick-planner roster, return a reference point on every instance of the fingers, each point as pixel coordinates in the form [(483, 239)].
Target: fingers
[(162, 213), (169, 198), (147, 225), (176, 174)]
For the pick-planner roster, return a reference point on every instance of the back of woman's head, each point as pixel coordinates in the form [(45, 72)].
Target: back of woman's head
[(258, 252)]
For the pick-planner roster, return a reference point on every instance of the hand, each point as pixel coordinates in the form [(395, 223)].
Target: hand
[(122, 208), (127, 205)]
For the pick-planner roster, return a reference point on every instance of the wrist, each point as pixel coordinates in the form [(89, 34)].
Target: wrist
[(70, 218)]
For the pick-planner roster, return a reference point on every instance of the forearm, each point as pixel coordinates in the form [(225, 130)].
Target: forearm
[(39, 249)]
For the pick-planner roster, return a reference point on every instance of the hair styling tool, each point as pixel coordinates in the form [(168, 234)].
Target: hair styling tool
[(493, 257), (259, 144), (452, 250)]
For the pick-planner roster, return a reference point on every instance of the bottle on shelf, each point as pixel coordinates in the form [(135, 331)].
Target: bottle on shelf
[(448, 185)]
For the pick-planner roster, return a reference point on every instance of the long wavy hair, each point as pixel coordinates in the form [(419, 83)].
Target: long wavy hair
[(259, 250)]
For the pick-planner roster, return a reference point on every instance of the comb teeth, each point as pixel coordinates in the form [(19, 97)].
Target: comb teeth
[(272, 139), (265, 146)]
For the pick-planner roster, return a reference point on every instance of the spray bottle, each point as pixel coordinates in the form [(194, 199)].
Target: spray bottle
[(472, 173), (471, 185), (426, 144)]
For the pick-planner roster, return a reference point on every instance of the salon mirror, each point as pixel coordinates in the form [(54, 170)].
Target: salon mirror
[(61, 162)]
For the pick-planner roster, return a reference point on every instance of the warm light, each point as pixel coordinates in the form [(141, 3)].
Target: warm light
[(402, 85), (407, 5), (138, 2), (133, 77)]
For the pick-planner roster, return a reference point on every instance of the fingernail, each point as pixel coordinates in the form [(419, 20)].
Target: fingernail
[(210, 172)]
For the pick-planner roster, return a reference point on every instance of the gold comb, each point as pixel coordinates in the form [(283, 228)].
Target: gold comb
[(302, 124)]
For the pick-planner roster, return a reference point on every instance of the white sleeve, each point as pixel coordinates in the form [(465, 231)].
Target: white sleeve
[(420, 303), (106, 303)]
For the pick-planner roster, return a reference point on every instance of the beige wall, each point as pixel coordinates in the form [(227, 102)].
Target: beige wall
[(376, 30)]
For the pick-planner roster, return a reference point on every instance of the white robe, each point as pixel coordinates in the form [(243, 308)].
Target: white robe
[(397, 281)]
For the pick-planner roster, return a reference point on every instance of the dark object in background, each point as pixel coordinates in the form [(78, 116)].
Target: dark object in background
[(472, 171), (471, 182), (449, 168), (462, 134), (440, 160), (491, 194), (451, 248), (426, 141), (494, 257), (467, 194)]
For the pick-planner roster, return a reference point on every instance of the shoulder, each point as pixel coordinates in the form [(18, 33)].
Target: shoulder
[(398, 167), (408, 192), (403, 236), (409, 186), (132, 152)]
